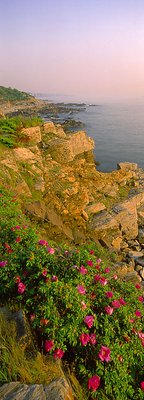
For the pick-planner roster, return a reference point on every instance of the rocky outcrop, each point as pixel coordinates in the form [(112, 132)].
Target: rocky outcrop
[(56, 390), (55, 176), (32, 134)]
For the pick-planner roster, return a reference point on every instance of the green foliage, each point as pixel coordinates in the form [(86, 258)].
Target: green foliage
[(10, 128), (58, 288), (9, 94)]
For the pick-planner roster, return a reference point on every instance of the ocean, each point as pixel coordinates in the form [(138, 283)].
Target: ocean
[(118, 132), (117, 129)]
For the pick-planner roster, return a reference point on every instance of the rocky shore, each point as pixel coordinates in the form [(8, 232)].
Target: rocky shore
[(55, 176)]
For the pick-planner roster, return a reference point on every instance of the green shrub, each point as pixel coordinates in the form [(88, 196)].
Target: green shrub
[(79, 310)]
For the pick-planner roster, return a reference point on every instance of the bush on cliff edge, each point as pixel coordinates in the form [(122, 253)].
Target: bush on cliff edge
[(78, 309)]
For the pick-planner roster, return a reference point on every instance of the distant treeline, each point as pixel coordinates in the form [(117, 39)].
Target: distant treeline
[(9, 94)]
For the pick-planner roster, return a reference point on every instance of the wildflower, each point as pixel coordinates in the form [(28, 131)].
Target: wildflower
[(104, 354), (84, 338), (32, 317), (92, 252), (17, 227), (89, 319), (116, 304), (97, 278), (49, 344), (98, 260), (115, 277), (17, 279), (93, 338), (50, 250), (142, 385), (94, 382), (83, 305), (138, 314), (83, 270), (109, 310), (107, 270), (21, 288), (58, 353), (122, 301), (103, 281), (3, 263), (137, 286), (43, 242), (120, 358), (44, 272), (90, 263), (141, 299), (81, 289), (109, 294), (54, 278), (18, 239), (141, 335)]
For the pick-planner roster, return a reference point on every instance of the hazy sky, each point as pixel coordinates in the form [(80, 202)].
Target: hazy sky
[(91, 49)]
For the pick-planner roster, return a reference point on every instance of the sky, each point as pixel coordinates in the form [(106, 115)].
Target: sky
[(84, 49)]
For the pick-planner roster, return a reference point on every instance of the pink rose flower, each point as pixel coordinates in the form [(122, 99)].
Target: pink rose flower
[(50, 250), (89, 319), (18, 239), (97, 278), (122, 302), (17, 279), (115, 277), (49, 344), (116, 304), (141, 299), (3, 263), (82, 270), (81, 289), (58, 353), (43, 242), (142, 385), (92, 252), (32, 317), (94, 382), (84, 338), (104, 354), (137, 286), (21, 288), (54, 278), (109, 310), (109, 294), (92, 337), (98, 260), (103, 281), (44, 272), (107, 270), (17, 227), (90, 263), (141, 335), (138, 314)]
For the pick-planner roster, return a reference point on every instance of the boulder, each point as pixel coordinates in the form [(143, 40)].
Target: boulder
[(64, 151), (49, 127), (32, 134), (127, 166)]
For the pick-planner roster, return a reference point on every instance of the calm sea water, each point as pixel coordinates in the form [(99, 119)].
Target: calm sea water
[(117, 129), (118, 132)]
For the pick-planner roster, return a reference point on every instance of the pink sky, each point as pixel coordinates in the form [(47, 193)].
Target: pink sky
[(90, 50)]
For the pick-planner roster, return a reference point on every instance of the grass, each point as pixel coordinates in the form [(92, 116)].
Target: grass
[(19, 363)]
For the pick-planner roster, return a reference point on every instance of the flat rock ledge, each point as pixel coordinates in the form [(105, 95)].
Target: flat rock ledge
[(56, 390)]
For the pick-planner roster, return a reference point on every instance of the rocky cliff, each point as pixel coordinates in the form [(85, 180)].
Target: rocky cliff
[(55, 176)]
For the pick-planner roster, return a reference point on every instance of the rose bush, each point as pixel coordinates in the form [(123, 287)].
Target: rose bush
[(78, 309)]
